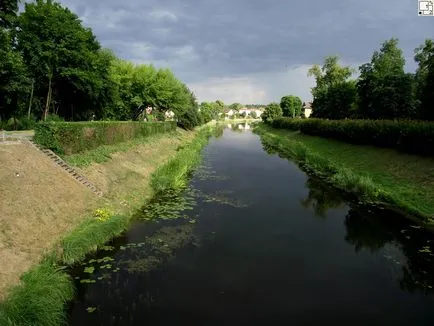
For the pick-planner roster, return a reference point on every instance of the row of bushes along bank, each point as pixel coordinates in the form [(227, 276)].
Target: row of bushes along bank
[(41, 296), (415, 137), (74, 137), (345, 175)]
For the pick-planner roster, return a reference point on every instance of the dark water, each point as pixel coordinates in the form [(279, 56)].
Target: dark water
[(258, 242)]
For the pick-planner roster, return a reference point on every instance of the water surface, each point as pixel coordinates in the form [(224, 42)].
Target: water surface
[(255, 241)]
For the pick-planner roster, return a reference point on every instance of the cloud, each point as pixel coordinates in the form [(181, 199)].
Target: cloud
[(253, 45), (163, 15)]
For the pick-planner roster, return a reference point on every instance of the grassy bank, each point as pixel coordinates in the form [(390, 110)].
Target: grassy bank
[(397, 180), (40, 297)]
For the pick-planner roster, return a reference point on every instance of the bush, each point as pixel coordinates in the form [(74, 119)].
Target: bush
[(415, 137), (272, 111), (23, 123), (189, 119), (74, 137)]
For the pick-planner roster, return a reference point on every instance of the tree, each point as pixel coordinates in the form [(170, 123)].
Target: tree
[(13, 73), (291, 106), (333, 95), (235, 106), (63, 59), (272, 111), (8, 13), (424, 80), (208, 111), (385, 91)]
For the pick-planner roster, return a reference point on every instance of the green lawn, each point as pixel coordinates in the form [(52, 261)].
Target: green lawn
[(409, 178)]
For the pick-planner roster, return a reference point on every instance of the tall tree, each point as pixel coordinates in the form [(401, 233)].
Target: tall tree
[(424, 56), (63, 58), (8, 13), (13, 72), (333, 95), (385, 91), (291, 106)]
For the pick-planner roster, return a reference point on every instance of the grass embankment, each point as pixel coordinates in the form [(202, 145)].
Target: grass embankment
[(397, 180), (40, 297)]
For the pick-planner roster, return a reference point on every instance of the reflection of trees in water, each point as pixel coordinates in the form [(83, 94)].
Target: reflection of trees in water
[(364, 231), (375, 228), (218, 131), (320, 197)]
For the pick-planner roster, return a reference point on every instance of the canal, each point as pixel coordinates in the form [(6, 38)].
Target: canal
[(254, 240)]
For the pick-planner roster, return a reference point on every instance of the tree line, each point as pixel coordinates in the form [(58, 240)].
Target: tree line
[(383, 89), (51, 65)]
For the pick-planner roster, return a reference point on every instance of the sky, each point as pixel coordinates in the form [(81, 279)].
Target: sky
[(251, 51)]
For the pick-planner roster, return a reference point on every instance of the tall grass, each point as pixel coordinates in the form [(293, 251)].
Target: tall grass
[(174, 174), (361, 186), (39, 299), (90, 235)]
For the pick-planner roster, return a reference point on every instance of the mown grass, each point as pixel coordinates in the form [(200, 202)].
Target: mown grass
[(372, 174), (39, 300)]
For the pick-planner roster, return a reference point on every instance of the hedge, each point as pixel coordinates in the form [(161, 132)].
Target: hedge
[(411, 136), (74, 137)]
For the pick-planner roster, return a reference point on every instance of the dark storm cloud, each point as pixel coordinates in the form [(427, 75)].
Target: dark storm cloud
[(222, 38)]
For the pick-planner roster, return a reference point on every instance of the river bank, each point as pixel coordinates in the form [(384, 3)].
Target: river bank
[(383, 176), (252, 230), (126, 177)]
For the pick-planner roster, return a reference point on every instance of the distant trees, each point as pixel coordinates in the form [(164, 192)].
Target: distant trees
[(51, 64), (235, 107), (383, 89), (291, 106), (272, 111)]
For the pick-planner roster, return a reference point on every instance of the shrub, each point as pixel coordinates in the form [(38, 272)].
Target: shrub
[(189, 119), (415, 137), (22, 123), (73, 137), (272, 111)]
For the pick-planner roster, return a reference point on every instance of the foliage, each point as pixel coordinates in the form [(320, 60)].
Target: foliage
[(73, 137), (39, 299), (333, 96), (385, 90), (102, 214), (271, 111), (291, 106), (63, 59), (408, 136), (89, 235), (425, 80), (51, 63), (173, 175), (14, 81), (189, 119), (235, 107)]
